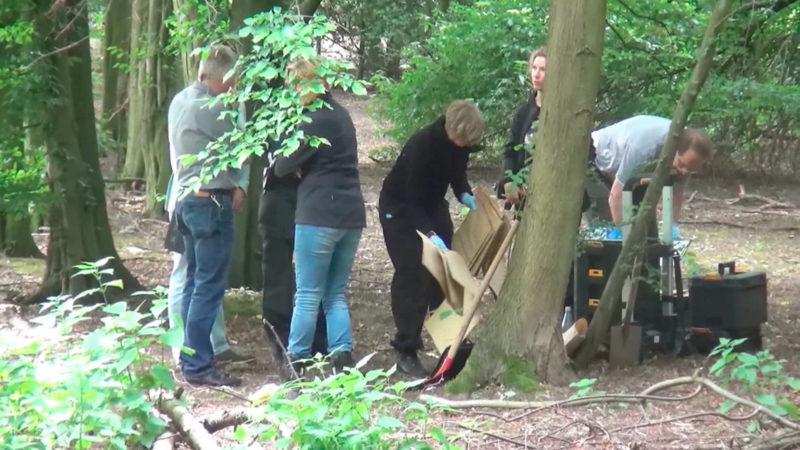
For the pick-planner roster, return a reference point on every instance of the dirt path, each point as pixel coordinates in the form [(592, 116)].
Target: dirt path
[(759, 240)]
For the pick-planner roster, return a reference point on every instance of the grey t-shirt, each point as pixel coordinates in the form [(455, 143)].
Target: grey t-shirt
[(192, 125), (630, 147)]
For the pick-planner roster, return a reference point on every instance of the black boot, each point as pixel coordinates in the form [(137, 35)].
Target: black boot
[(408, 362), (341, 360)]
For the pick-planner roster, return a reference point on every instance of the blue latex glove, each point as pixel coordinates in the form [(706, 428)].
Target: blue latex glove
[(469, 201), (613, 233), (438, 241), (675, 235)]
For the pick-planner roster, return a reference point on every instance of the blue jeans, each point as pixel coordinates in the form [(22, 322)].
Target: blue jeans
[(323, 260), (177, 281), (207, 228)]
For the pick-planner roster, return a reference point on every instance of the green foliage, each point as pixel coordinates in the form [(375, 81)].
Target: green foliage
[(750, 105), (264, 81), (70, 388), (22, 187), (375, 32), (760, 375), (518, 374), (346, 410), (479, 52), (584, 387), (193, 20)]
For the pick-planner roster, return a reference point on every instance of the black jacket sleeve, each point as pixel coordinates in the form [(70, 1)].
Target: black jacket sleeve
[(513, 156), (420, 154), (459, 182), (284, 165)]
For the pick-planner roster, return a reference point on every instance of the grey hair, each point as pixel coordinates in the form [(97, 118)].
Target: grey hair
[(219, 61), (464, 122)]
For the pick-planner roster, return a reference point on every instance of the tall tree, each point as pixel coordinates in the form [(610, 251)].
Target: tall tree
[(79, 228), (520, 339), (116, 50), (610, 300), (153, 79)]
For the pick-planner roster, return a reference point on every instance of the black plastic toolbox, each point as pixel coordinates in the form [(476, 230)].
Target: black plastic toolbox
[(728, 299)]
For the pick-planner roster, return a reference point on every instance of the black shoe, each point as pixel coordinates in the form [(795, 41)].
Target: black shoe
[(231, 357), (409, 363), (341, 361), (213, 377)]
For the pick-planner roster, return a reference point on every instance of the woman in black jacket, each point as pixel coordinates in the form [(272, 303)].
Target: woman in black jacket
[(328, 220), (412, 198), (524, 124)]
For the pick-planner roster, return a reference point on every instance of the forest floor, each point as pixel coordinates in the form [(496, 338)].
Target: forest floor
[(763, 239)]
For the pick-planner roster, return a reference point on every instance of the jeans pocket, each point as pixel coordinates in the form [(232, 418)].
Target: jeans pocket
[(200, 218)]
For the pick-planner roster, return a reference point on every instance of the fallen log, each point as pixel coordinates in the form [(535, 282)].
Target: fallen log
[(191, 429)]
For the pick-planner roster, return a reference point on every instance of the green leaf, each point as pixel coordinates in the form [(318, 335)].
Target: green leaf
[(718, 366), (794, 383), (172, 338), (358, 89), (585, 382), (163, 376), (113, 283), (748, 359), (726, 406), (389, 422)]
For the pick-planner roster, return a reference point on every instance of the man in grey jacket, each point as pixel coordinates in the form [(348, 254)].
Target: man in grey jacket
[(204, 216)]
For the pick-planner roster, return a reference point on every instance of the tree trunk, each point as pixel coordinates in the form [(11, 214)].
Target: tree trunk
[(610, 300), (16, 240), (151, 87), (520, 339), (443, 5), (79, 228), (116, 49), (187, 64), (246, 259)]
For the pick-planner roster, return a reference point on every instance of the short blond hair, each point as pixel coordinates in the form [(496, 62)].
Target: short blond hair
[(219, 61), (463, 122)]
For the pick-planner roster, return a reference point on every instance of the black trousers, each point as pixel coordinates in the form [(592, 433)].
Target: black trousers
[(276, 220), (414, 290)]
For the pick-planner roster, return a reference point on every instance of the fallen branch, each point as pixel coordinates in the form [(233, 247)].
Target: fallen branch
[(686, 417), (188, 425), (644, 395), (786, 440), (494, 435), (769, 203), (164, 441), (238, 416), (739, 225)]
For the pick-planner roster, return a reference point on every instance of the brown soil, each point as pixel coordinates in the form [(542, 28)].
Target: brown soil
[(761, 240)]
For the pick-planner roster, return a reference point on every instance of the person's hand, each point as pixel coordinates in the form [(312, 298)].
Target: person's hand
[(438, 241), (469, 201), (514, 193), (239, 197)]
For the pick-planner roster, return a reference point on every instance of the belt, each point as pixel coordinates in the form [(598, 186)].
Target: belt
[(212, 192)]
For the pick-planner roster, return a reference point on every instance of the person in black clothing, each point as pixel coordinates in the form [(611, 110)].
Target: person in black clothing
[(276, 220), (412, 198), (524, 124)]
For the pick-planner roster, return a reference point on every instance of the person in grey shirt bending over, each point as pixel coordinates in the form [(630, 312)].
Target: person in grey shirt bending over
[(204, 216), (630, 148)]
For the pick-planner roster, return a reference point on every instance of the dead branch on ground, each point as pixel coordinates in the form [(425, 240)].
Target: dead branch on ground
[(191, 429)]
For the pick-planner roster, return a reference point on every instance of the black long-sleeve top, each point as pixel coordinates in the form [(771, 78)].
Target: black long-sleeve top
[(329, 192), (418, 181), (513, 155)]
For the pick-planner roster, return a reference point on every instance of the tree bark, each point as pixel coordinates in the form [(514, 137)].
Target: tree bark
[(152, 85), (610, 300), (521, 338), (116, 49), (79, 228), (16, 240)]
